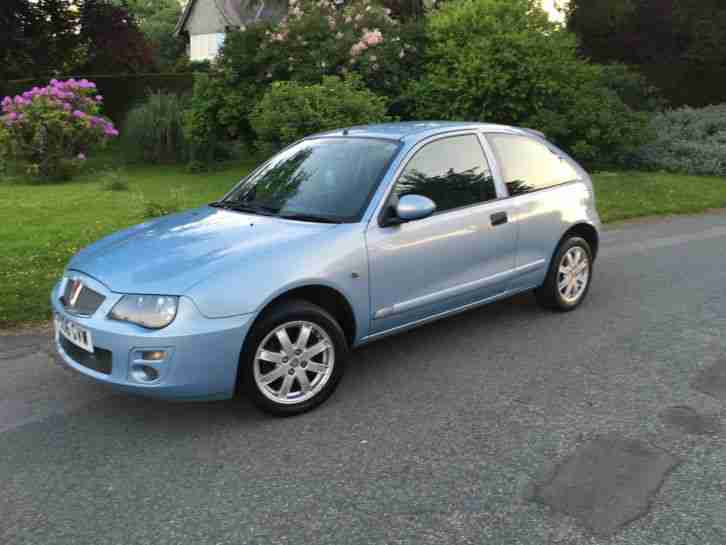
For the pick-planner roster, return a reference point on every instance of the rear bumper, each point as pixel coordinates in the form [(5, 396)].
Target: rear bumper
[(202, 354)]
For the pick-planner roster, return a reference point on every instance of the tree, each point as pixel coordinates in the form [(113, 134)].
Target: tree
[(681, 44), (15, 19), (157, 20), (159, 28), (113, 39), (504, 61), (643, 31), (38, 38)]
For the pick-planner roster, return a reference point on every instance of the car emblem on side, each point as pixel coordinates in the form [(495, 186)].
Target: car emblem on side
[(76, 288)]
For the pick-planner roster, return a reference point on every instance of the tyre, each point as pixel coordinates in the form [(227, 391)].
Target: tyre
[(569, 276), (293, 358)]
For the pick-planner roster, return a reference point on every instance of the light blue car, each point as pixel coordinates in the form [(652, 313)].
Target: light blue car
[(340, 239)]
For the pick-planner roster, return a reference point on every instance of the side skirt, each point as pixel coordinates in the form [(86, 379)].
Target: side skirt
[(412, 325)]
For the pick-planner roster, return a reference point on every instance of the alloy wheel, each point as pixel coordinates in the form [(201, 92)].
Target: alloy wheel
[(294, 362), (573, 274)]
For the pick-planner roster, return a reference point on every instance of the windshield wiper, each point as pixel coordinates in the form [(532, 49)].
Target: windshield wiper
[(265, 210), (308, 217), (246, 207)]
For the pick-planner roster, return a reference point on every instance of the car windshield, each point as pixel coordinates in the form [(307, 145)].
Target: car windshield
[(323, 179)]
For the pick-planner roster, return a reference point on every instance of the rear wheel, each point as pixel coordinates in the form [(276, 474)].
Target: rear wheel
[(293, 358), (569, 276)]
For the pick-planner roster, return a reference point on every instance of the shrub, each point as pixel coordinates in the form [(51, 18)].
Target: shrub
[(51, 130), (315, 39), (290, 111), (114, 181), (504, 61), (688, 141), (632, 87), (154, 131), (217, 112), (186, 65)]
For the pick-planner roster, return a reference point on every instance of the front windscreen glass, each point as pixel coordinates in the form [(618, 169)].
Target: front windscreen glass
[(323, 179)]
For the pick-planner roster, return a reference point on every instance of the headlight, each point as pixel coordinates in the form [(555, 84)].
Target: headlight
[(151, 311)]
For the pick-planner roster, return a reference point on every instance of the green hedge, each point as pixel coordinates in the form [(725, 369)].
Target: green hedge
[(120, 92)]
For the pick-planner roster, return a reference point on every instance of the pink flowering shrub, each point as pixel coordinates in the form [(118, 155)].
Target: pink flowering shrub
[(50, 130), (314, 40), (317, 39)]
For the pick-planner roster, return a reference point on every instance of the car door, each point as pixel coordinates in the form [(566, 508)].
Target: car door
[(544, 201), (462, 254)]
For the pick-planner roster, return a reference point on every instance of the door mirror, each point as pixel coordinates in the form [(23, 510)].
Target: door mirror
[(414, 207)]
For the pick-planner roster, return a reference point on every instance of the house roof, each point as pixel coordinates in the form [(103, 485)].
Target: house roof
[(183, 19), (234, 12)]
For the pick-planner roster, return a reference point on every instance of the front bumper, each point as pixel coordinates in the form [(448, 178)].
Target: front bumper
[(202, 354)]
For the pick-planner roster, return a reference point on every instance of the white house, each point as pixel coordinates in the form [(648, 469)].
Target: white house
[(206, 22)]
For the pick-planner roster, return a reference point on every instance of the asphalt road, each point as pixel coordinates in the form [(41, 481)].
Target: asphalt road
[(435, 436)]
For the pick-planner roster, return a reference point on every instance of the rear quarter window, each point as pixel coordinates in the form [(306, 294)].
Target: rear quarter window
[(528, 165)]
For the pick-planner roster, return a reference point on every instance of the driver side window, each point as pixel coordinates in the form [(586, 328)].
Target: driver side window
[(452, 172)]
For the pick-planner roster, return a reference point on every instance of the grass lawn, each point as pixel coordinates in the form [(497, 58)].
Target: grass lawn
[(625, 195), (43, 225)]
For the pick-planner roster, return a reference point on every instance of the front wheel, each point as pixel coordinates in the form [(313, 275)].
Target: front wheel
[(293, 358), (569, 276)]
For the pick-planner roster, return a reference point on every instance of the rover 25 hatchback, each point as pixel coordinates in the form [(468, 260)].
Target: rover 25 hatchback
[(340, 239)]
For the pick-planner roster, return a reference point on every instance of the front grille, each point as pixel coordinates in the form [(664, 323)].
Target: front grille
[(86, 301), (99, 361)]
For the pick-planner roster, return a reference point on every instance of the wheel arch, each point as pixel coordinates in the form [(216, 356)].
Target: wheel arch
[(328, 298), (583, 230)]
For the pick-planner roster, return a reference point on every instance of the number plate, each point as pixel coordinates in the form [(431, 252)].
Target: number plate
[(76, 334)]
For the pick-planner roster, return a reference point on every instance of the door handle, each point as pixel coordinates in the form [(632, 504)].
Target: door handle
[(499, 218)]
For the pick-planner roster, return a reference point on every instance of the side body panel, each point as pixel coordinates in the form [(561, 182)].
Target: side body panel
[(433, 265), (429, 266), (544, 216)]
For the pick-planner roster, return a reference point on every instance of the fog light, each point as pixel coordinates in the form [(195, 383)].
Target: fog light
[(153, 355), (144, 373)]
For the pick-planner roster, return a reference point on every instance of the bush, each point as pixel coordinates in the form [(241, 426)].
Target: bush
[(504, 61), (290, 111), (314, 40), (217, 112), (154, 131), (633, 88), (318, 39), (688, 141), (51, 130), (186, 65), (114, 181)]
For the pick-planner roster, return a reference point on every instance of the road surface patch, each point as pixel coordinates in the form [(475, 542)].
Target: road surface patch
[(689, 421), (606, 483), (712, 380)]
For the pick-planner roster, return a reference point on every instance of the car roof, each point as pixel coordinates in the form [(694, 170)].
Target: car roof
[(418, 130)]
